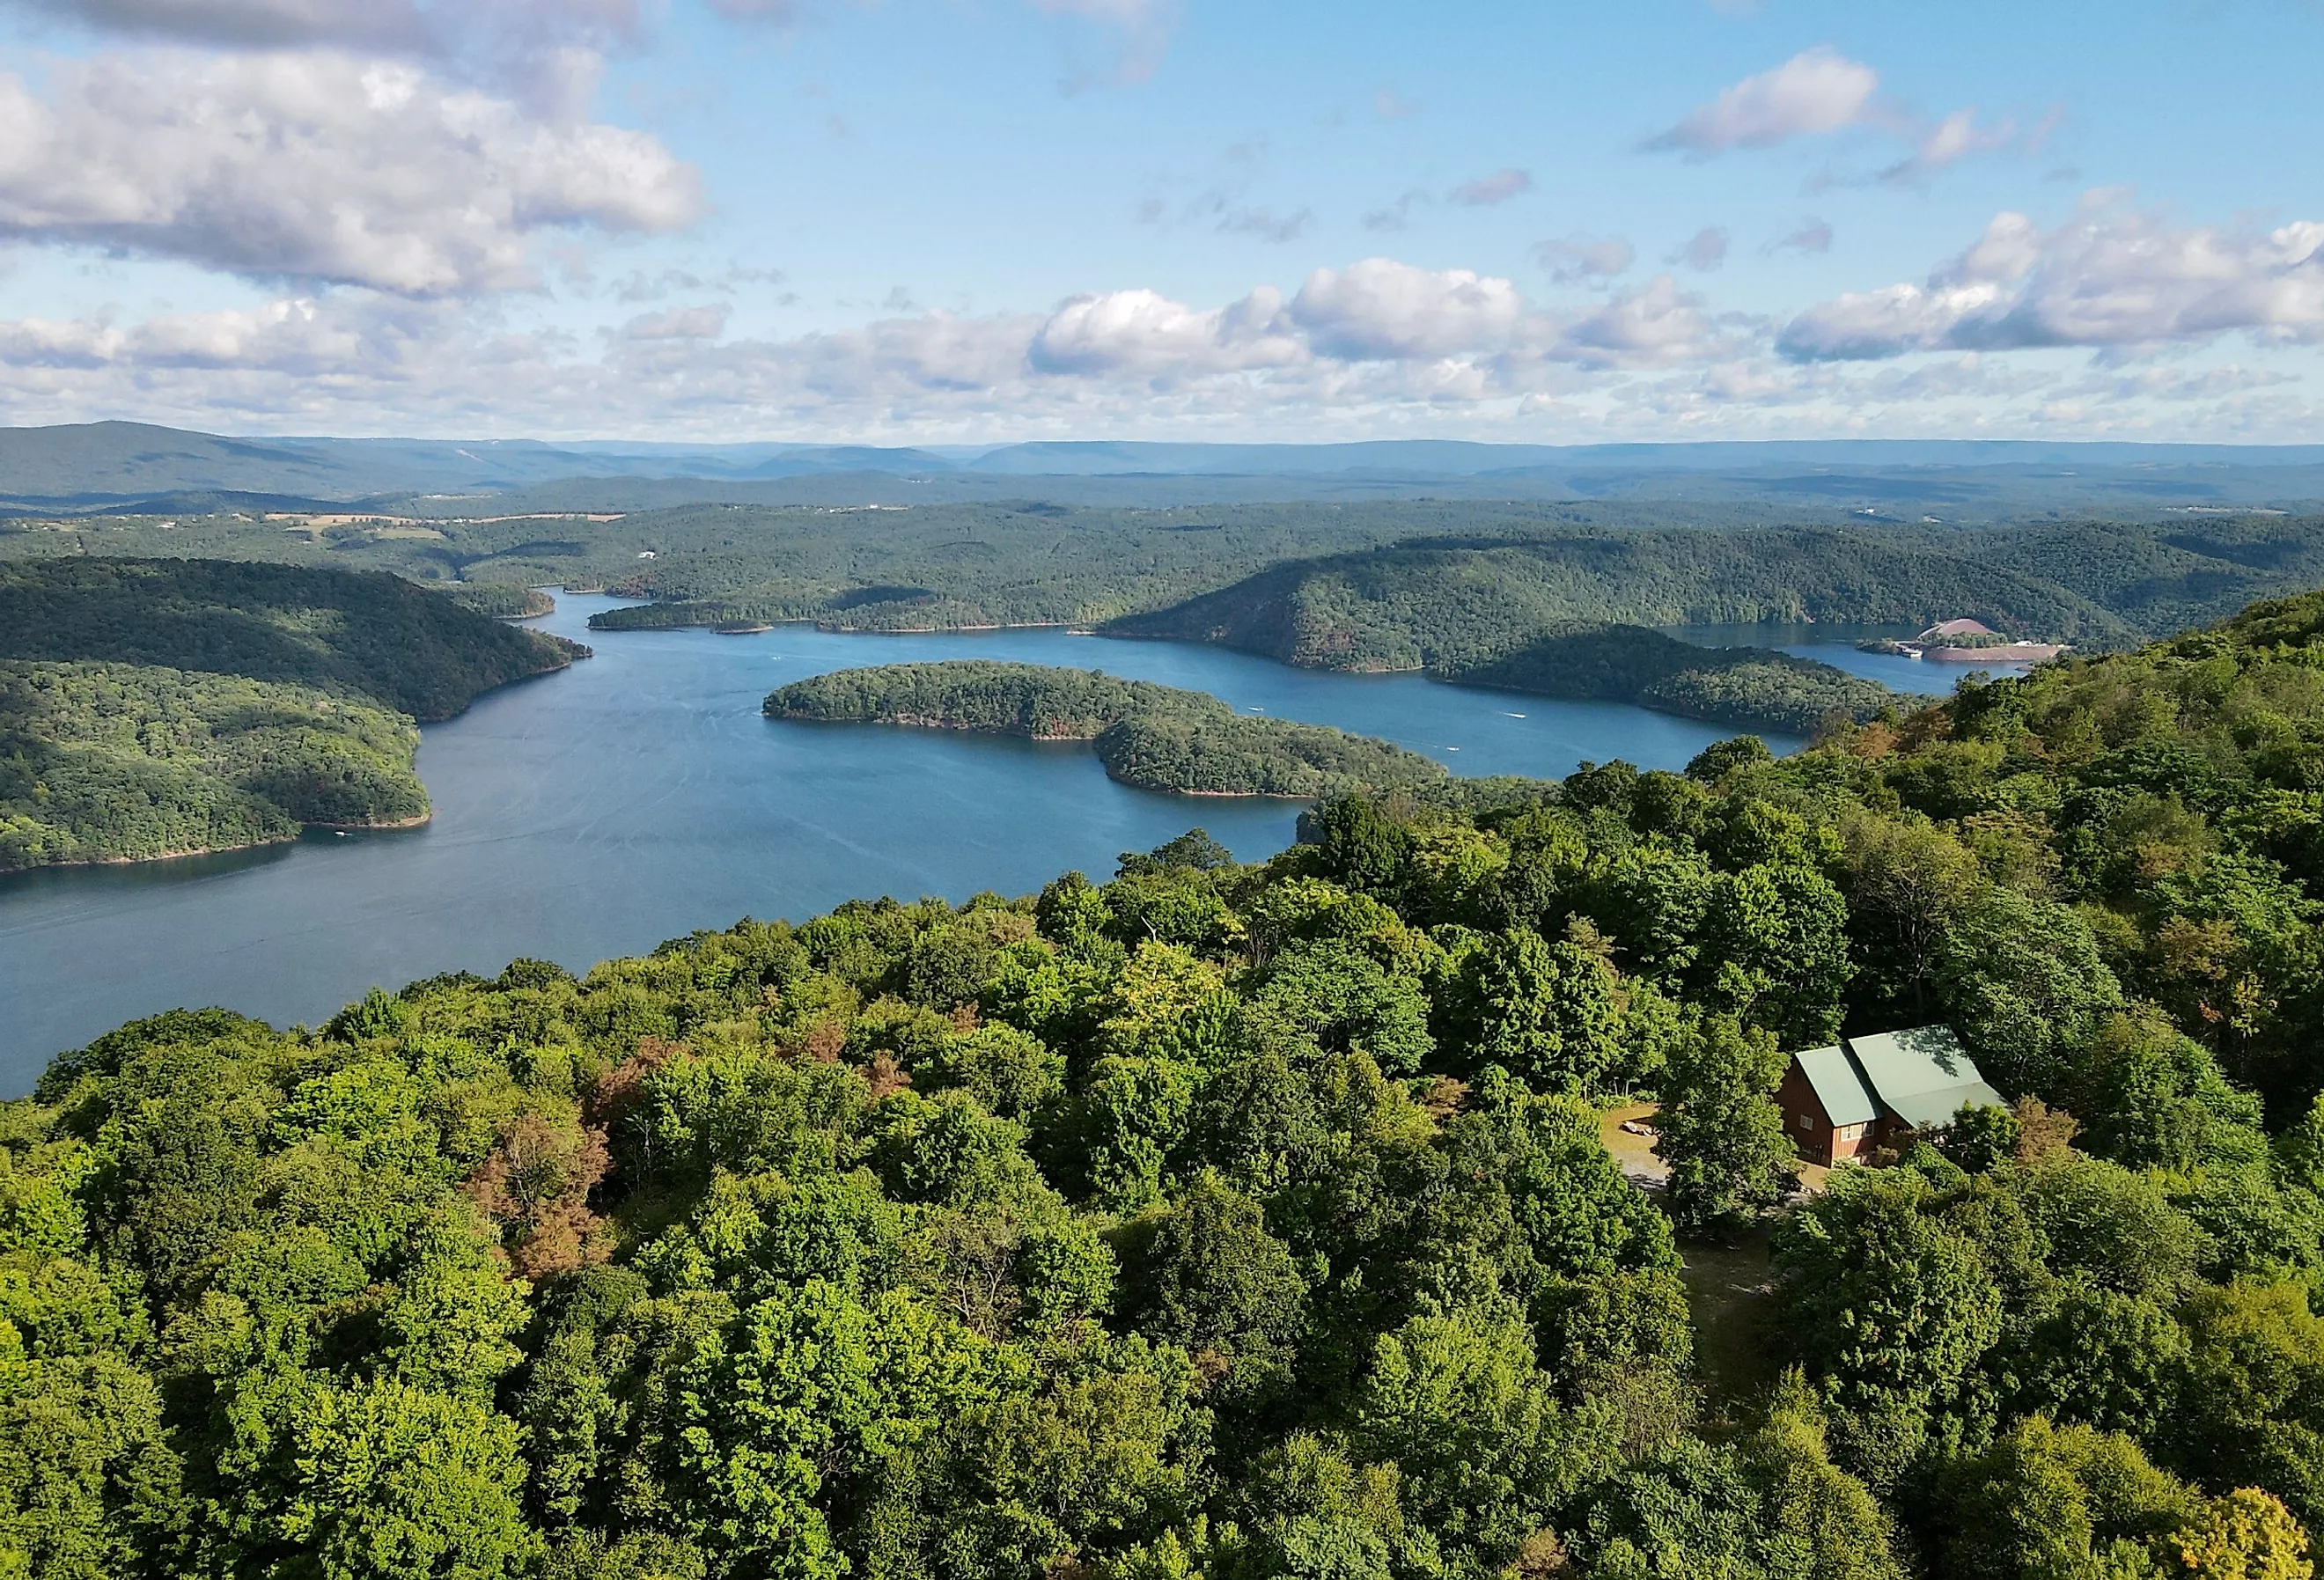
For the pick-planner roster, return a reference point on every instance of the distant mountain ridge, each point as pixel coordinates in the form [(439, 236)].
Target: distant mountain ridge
[(113, 466)]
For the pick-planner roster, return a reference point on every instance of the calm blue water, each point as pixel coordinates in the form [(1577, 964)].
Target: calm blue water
[(641, 796)]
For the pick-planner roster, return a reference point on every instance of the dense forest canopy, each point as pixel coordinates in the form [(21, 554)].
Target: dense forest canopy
[(131, 762), (161, 708), (1254, 1221), (1154, 737), (360, 633)]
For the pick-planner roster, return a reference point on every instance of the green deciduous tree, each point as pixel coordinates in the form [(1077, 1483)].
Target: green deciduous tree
[(1546, 1012), (1485, 1453), (1207, 1276), (1776, 951), (1719, 1130), (1889, 1309), (389, 1480)]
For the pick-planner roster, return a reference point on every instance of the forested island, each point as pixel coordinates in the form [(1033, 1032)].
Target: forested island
[(1245, 1221), (1748, 687), (1153, 737), (152, 708)]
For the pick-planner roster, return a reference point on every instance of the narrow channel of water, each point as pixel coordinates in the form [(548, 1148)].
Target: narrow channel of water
[(640, 795)]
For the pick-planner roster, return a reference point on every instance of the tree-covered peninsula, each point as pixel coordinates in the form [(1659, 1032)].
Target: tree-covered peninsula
[(1748, 687), (110, 762), (1154, 737), (500, 599), (1257, 1221), (364, 633), (152, 708)]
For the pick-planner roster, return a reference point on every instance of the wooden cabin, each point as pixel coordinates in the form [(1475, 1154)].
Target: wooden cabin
[(1870, 1091)]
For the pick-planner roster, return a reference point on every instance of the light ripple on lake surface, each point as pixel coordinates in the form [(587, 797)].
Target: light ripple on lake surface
[(641, 796)]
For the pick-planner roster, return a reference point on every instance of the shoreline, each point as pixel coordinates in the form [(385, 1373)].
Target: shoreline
[(400, 826), (1211, 795), (823, 623), (166, 856), (421, 821), (556, 669)]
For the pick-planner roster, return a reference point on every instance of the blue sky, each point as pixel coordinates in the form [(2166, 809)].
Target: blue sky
[(922, 221)]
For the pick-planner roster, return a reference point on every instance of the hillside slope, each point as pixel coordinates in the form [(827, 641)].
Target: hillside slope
[(119, 762), (151, 708), (364, 633), (1257, 1222), (2165, 577), (1455, 605)]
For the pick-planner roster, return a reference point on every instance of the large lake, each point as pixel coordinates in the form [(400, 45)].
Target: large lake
[(641, 796)]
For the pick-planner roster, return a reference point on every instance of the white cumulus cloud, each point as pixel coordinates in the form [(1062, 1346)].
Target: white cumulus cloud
[(704, 322), (550, 52), (1939, 146), (1705, 250), (1380, 307), (1814, 92), (1144, 332), (1656, 325), (1378, 346), (433, 26), (317, 165), (2110, 276), (1814, 235)]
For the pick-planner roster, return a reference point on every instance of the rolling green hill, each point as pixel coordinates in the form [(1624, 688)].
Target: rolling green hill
[(161, 708), (499, 599), (1458, 606), (2165, 578), (362, 633), (1516, 565), (112, 762)]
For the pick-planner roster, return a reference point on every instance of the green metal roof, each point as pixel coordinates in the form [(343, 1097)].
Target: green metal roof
[(1922, 1075), (1838, 1085)]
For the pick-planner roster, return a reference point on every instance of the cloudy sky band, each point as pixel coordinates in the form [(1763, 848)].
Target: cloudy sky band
[(414, 217)]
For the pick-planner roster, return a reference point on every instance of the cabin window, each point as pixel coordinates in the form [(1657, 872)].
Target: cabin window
[(1806, 1124)]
